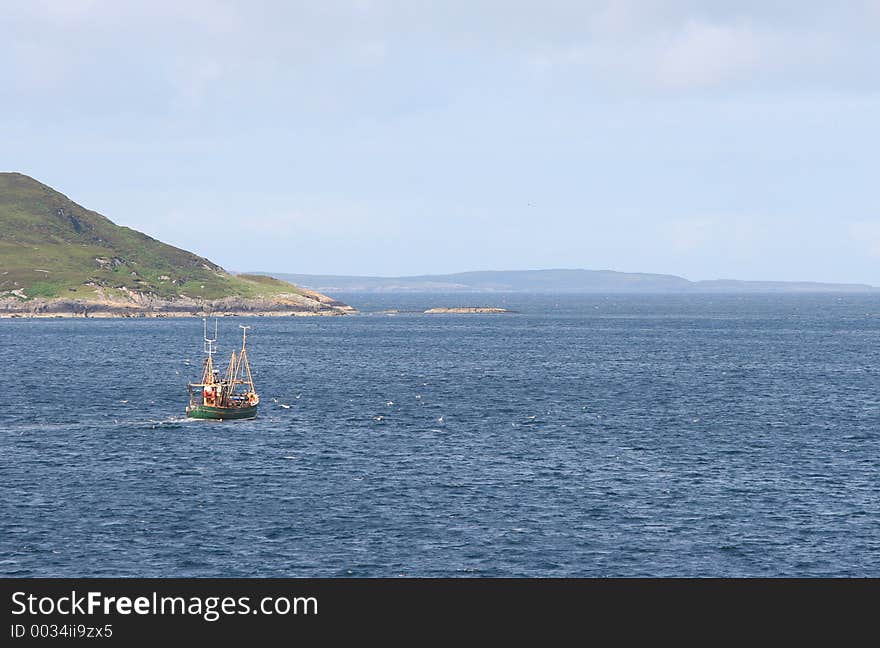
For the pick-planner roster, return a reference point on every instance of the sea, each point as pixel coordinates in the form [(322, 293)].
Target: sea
[(579, 436)]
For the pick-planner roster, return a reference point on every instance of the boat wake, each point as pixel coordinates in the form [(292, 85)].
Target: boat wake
[(169, 422)]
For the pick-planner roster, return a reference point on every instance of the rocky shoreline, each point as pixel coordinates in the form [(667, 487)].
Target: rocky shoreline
[(146, 307)]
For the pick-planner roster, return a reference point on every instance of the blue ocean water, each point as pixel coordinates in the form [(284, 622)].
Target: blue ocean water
[(582, 436)]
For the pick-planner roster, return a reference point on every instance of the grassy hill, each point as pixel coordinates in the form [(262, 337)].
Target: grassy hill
[(51, 247)]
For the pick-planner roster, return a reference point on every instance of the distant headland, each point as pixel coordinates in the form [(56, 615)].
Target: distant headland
[(58, 259), (558, 281)]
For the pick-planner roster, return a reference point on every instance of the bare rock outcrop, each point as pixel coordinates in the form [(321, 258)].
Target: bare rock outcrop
[(141, 305)]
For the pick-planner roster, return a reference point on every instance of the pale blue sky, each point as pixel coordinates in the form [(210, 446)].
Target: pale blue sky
[(706, 139)]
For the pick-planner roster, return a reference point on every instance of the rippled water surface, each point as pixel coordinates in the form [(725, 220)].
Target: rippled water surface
[(582, 436)]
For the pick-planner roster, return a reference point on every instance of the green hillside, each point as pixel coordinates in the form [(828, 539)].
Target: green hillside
[(52, 247)]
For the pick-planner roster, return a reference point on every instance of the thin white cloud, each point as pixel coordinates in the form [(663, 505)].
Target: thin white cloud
[(704, 54), (649, 44)]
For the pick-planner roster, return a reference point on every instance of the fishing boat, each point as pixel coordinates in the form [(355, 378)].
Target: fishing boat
[(231, 396)]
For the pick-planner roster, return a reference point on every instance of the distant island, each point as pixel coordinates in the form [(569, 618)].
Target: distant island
[(467, 310), (557, 281), (59, 259)]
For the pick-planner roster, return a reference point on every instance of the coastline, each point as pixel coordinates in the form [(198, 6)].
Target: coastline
[(154, 308), (165, 315)]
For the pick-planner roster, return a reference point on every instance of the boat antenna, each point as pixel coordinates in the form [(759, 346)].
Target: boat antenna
[(210, 344)]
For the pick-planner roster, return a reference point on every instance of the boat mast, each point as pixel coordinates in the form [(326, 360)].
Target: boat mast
[(210, 348), (230, 370), (243, 359)]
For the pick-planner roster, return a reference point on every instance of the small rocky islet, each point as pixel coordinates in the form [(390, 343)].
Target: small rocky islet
[(468, 310)]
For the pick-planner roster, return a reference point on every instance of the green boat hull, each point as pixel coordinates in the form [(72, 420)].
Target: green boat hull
[(220, 413)]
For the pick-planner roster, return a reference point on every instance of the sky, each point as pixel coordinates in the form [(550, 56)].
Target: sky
[(705, 139)]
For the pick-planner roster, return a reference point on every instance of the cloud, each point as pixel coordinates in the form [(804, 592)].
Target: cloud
[(671, 45), (684, 47), (703, 54), (695, 54)]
